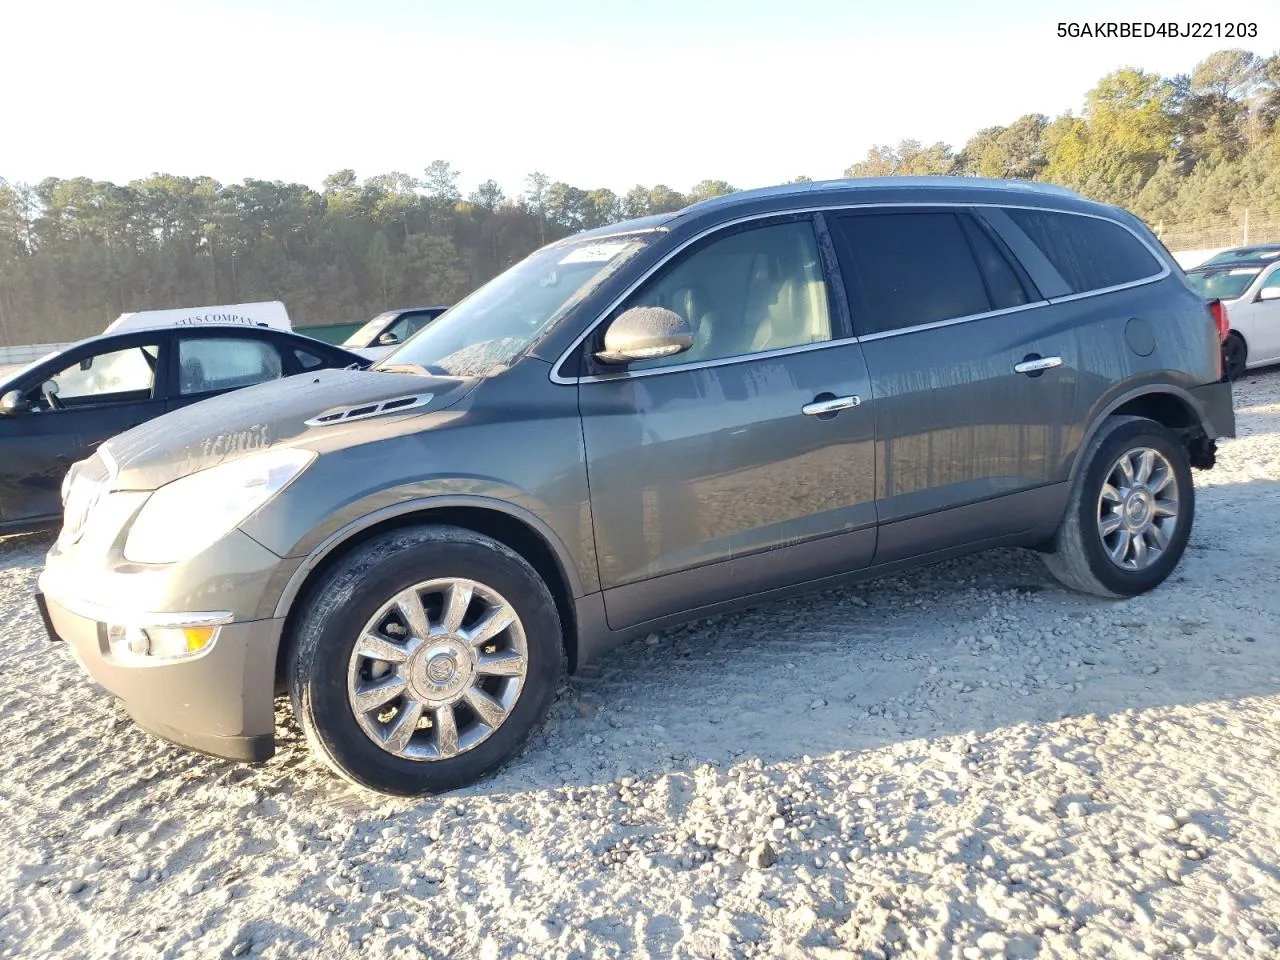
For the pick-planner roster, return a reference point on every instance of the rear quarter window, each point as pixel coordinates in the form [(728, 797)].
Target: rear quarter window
[(1090, 253)]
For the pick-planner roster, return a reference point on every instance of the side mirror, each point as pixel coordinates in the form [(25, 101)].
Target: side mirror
[(12, 403), (645, 333), (1269, 293), (387, 339)]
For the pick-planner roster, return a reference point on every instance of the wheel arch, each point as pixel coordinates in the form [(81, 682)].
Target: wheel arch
[(510, 525), (1166, 404)]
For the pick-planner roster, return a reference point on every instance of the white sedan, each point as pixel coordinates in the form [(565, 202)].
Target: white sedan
[(1250, 290)]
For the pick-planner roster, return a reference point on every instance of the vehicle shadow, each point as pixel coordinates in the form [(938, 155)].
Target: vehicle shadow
[(970, 645)]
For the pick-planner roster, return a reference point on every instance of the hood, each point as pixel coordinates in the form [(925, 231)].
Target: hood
[(316, 407)]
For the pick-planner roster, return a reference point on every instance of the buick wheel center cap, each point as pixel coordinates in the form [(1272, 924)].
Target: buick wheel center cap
[(1137, 507), (440, 670)]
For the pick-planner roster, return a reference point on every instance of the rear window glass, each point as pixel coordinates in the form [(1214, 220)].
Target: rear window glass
[(1090, 253)]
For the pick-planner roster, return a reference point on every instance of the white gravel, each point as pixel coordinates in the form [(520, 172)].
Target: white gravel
[(964, 762)]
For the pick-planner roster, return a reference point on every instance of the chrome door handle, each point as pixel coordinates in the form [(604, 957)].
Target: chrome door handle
[(833, 405), (1037, 365)]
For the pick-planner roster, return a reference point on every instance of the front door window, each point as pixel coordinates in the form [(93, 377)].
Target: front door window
[(117, 376)]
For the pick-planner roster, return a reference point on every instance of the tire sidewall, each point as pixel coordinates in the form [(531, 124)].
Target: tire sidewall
[(1235, 339), (319, 677), (1128, 436)]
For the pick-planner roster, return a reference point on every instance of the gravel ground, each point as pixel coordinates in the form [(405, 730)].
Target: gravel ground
[(964, 762)]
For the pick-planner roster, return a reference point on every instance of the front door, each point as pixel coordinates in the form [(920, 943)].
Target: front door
[(744, 464), (66, 416), (974, 384)]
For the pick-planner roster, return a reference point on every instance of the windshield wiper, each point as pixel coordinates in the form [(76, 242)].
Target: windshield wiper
[(416, 369)]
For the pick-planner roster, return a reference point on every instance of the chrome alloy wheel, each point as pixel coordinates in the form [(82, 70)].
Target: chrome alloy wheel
[(437, 669), (1138, 508)]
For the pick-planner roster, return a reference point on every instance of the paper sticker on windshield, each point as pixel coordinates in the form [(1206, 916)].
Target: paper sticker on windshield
[(594, 253), (1245, 272)]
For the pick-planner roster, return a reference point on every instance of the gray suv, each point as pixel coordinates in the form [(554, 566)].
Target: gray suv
[(765, 393)]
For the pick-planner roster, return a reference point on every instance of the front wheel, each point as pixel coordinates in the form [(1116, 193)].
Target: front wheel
[(424, 660), (1130, 512)]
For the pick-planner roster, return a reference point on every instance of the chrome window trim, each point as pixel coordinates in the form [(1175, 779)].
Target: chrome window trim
[(555, 376), (623, 374), (967, 318)]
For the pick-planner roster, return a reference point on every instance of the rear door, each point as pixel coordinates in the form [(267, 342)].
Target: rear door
[(96, 391), (974, 382), (1096, 273)]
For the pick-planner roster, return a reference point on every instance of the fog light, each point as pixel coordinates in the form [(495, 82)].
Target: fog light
[(165, 643)]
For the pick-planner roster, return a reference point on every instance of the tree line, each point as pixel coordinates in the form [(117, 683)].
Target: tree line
[(74, 253)]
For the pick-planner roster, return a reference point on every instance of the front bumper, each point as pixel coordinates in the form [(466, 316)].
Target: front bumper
[(220, 701)]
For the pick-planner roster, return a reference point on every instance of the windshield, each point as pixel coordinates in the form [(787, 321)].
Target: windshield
[(1226, 283), (487, 331), (363, 336), (1245, 253)]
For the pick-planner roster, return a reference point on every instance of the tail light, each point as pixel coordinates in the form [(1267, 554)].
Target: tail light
[(1219, 311)]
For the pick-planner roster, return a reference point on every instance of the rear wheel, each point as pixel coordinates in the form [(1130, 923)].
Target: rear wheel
[(1130, 513), (1235, 356), (424, 660)]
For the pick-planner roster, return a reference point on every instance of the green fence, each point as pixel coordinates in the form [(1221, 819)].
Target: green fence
[(330, 333)]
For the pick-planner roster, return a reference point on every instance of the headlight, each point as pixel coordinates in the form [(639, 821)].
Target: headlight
[(185, 516), (160, 643)]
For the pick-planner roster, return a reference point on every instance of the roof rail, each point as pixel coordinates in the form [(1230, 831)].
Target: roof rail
[(868, 183)]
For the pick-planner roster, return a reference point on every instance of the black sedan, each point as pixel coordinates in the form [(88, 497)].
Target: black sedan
[(57, 410)]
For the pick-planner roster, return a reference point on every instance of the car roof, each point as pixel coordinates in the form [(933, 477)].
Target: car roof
[(1250, 248), (972, 189), (1232, 265), (217, 329), (141, 336)]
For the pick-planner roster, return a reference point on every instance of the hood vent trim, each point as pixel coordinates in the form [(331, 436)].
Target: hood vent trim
[(363, 411)]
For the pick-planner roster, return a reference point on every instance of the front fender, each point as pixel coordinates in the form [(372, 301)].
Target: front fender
[(322, 546)]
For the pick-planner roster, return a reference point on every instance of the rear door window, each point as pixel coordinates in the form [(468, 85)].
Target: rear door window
[(1089, 252), (224, 363), (912, 268)]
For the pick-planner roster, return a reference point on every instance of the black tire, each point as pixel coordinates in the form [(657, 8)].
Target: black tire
[(1235, 356), (338, 608), (1079, 558)]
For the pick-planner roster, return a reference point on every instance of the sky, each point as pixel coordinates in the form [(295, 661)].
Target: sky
[(608, 93)]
